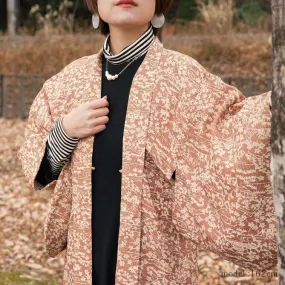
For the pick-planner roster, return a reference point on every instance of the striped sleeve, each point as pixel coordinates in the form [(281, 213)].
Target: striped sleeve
[(60, 147)]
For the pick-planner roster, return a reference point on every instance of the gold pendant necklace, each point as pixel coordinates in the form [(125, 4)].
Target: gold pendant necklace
[(113, 77)]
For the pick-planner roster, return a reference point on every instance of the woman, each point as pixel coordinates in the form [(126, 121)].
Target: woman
[(148, 157)]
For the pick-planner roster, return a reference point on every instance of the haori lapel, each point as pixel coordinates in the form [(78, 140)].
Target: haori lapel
[(134, 144), (80, 229)]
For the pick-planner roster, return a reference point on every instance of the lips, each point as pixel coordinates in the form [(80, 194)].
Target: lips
[(130, 2)]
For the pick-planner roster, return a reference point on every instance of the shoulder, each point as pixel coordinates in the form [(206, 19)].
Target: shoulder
[(72, 72), (183, 62), (201, 90), (192, 75)]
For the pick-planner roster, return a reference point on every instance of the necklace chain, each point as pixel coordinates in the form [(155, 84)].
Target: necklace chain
[(113, 77)]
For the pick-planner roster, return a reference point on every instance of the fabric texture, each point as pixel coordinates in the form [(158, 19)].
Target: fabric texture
[(180, 118)]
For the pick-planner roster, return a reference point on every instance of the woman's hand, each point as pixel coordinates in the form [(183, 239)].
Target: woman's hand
[(87, 119)]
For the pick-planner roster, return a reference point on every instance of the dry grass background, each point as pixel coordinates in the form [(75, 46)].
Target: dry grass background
[(234, 54)]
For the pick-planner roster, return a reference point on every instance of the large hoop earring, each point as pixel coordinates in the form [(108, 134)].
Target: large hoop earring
[(158, 21), (95, 20)]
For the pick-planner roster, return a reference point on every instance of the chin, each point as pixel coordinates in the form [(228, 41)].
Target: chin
[(128, 23)]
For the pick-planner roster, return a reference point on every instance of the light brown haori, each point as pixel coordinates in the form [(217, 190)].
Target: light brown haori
[(179, 118)]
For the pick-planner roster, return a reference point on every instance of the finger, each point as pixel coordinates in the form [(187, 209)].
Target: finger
[(99, 121), (98, 129), (104, 111), (98, 103)]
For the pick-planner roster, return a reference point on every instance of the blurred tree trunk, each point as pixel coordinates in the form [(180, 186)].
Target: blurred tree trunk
[(278, 127), (12, 16), (170, 16)]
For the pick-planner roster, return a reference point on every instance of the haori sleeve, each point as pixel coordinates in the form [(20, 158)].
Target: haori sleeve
[(223, 198), (37, 130)]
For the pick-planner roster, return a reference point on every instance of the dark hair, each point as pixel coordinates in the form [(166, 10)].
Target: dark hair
[(161, 6)]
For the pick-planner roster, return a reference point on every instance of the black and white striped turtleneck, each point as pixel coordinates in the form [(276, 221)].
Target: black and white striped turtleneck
[(60, 145), (139, 47)]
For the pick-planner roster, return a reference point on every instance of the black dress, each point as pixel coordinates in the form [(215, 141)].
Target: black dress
[(106, 178)]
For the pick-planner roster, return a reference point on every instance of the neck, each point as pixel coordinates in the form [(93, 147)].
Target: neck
[(121, 38)]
